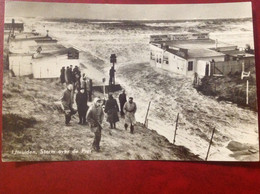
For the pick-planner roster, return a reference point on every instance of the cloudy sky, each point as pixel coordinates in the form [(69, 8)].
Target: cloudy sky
[(128, 12)]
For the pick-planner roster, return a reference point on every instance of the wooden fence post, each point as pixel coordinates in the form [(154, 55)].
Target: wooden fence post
[(210, 142), (176, 127), (147, 113), (247, 87)]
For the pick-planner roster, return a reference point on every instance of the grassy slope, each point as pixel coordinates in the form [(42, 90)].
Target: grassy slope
[(36, 98)]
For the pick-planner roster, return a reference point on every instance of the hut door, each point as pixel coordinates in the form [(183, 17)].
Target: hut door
[(207, 70)]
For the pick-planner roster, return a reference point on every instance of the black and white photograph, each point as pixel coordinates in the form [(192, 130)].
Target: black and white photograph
[(129, 82)]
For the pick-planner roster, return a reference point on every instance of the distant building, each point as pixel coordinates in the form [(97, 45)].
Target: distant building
[(189, 53)]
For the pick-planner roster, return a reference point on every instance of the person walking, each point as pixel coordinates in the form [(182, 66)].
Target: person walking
[(82, 105), (122, 101), (67, 101), (130, 109), (95, 116), (111, 108)]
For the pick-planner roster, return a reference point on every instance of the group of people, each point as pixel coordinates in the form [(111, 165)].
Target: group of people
[(70, 75), (94, 115), (67, 101), (83, 88), (73, 76)]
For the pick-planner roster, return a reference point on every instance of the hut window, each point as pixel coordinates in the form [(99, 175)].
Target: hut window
[(190, 65), (152, 56)]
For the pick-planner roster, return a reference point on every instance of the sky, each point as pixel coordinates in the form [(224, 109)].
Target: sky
[(128, 12)]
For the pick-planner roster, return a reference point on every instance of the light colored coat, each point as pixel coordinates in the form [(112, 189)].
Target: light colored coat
[(129, 110), (66, 100), (95, 116)]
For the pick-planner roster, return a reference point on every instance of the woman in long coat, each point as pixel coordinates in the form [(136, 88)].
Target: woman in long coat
[(111, 108)]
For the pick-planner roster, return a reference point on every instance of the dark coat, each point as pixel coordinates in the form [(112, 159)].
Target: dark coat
[(68, 75), (82, 100), (62, 75), (83, 84), (122, 98), (111, 108)]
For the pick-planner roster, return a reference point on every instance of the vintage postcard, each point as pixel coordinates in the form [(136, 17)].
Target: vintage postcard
[(129, 82)]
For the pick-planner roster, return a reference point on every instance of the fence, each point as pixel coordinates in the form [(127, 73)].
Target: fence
[(145, 124), (229, 67)]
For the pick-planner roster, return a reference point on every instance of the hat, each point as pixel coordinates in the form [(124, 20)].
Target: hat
[(131, 98)]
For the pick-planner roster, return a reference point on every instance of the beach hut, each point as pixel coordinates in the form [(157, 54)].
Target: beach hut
[(50, 66), (20, 64), (73, 53)]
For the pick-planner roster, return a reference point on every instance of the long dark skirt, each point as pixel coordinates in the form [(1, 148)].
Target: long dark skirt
[(112, 116)]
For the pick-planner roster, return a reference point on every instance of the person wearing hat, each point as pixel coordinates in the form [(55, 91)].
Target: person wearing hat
[(95, 116), (111, 108), (129, 110), (67, 101), (82, 104), (83, 83), (122, 101)]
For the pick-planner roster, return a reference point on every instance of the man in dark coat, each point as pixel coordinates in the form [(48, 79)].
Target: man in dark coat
[(83, 84), (111, 108), (82, 100), (67, 102), (122, 101), (62, 75), (68, 76), (74, 73)]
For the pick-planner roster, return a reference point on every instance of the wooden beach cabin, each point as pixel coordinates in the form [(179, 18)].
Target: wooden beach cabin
[(20, 64), (40, 56), (48, 65)]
